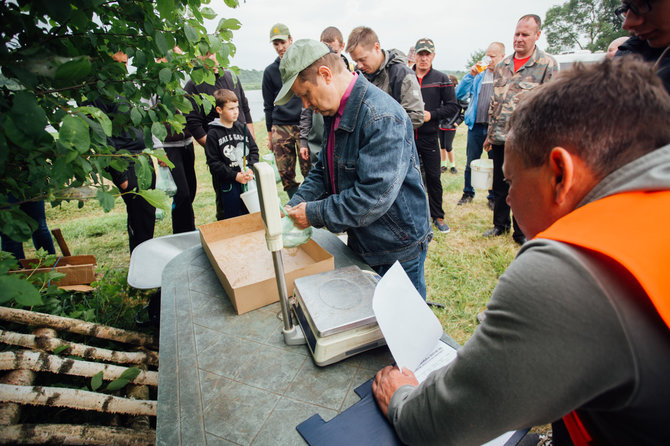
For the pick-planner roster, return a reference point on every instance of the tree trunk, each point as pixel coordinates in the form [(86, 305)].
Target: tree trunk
[(75, 399), (75, 326), (72, 434), (81, 350), (41, 362)]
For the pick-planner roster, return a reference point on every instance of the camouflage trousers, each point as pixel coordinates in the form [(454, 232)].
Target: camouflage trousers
[(286, 148)]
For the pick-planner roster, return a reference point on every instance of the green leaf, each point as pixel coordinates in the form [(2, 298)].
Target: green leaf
[(161, 42), (74, 132), (208, 13), (130, 373), (157, 198), (27, 114), (143, 172), (165, 75), (140, 59), (198, 76), (117, 384), (161, 155), (229, 24), (96, 381), (159, 130), (191, 33), (16, 224), (232, 3), (74, 70), (136, 116), (22, 291), (106, 200), (62, 348)]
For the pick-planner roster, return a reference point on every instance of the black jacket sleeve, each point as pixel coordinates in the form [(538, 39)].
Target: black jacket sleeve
[(269, 94), (196, 121)]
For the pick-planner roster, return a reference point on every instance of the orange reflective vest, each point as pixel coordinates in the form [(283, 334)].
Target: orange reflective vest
[(632, 229)]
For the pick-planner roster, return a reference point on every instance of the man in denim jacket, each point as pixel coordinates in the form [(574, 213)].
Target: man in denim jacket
[(367, 181)]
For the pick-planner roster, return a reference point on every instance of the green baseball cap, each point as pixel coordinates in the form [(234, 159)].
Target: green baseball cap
[(424, 45), (300, 55), (279, 31)]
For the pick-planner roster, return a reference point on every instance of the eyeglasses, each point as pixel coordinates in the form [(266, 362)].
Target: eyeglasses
[(638, 7)]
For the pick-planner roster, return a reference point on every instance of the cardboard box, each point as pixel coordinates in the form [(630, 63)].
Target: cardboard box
[(78, 270), (237, 250)]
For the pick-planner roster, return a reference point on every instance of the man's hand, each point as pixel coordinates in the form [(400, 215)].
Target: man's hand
[(387, 381), (487, 144), (304, 153), (426, 116), (474, 71), (123, 186), (299, 215)]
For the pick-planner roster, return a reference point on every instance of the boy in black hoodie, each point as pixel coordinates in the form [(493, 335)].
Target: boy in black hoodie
[(230, 152)]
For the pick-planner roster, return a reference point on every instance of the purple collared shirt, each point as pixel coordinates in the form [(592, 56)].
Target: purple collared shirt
[(330, 146)]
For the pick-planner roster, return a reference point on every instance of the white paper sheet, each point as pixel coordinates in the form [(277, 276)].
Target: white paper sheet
[(410, 328)]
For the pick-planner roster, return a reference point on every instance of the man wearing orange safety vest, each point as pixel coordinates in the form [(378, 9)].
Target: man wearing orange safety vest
[(577, 332)]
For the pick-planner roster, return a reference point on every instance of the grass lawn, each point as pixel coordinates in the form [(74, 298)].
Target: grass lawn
[(462, 267)]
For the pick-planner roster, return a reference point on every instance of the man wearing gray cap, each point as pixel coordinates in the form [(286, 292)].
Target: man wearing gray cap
[(282, 122), (367, 181)]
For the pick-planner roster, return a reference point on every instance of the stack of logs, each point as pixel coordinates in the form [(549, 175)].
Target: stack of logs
[(43, 352)]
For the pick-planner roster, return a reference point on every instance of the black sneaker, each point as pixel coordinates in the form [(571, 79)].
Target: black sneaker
[(443, 169), (495, 231), (441, 225), (453, 170), (492, 203), (465, 199)]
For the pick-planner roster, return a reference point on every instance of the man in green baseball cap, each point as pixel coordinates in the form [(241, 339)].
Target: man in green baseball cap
[(282, 121), (367, 180)]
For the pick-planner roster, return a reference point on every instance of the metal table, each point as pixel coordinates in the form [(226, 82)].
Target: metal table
[(230, 379)]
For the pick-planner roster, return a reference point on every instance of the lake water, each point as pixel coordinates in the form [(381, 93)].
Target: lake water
[(255, 98)]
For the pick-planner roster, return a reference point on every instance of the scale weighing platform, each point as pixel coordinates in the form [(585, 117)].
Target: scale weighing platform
[(334, 310)]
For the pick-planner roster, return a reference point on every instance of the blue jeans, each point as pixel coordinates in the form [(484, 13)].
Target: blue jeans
[(41, 236), (414, 270), (475, 147)]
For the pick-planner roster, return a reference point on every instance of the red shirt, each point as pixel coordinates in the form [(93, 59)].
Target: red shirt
[(335, 124), (518, 63)]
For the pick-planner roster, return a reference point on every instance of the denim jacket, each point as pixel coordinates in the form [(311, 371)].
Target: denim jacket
[(379, 198), (469, 87)]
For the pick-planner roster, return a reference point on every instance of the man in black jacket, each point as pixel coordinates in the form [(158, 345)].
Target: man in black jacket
[(282, 121), (649, 23), (439, 102), (197, 121)]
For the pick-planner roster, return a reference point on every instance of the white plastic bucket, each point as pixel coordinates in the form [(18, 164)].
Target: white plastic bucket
[(250, 199), (482, 174)]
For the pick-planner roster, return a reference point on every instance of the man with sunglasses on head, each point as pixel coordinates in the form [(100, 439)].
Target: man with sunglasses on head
[(649, 23)]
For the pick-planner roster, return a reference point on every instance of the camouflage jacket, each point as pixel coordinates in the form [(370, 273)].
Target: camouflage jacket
[(509, 87)]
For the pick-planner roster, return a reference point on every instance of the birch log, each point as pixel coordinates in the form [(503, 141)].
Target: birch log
[(73, 349), (42, 362), (75, 399), (72, 434), (75, 326)]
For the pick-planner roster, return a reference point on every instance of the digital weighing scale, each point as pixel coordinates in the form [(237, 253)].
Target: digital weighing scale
[(333, 308)]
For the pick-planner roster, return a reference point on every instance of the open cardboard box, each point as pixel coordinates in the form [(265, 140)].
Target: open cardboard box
[(78, 270), (237, 250)]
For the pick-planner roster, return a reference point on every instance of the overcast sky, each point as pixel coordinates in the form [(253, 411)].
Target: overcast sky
[(457, 27)]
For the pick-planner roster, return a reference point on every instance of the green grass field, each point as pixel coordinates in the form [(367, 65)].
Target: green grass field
[(462, 267)]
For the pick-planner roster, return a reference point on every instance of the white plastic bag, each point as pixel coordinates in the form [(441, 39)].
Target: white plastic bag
[(165, 182), (292, 236)]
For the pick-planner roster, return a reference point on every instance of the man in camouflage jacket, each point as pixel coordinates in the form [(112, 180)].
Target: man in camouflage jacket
[(516, 75)]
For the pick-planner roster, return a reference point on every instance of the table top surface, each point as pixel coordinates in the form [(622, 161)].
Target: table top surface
[(229, 379)]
